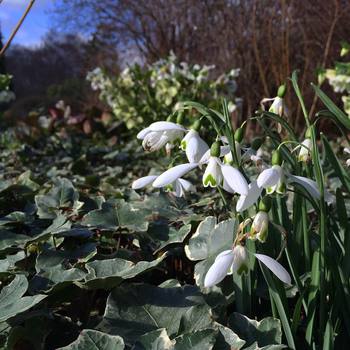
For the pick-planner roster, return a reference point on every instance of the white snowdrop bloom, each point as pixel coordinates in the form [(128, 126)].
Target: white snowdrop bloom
[(278, 107), (172, 174), (275, 267), (158, 134), (143, 182), (194, 146), (269, 177), (234, 179), (347, 150), (228, 158), (212, 176), (305, 150), (260, 226), (311, 187), (235, 260), (246, 201), (178, 187), (280, 186)]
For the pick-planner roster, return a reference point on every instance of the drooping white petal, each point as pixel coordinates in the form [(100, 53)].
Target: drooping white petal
[(179, 191), (165, 126), (268, 178), (275, 267), (227, 188), (219, 269), (235, 179), (196, 147), (141, 135), (247, 201), (172, 174), (311, 187), (143, 182), (187, 186)]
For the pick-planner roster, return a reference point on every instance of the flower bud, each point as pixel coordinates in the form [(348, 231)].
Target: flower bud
[(276, 157), (239, 133), (282, 91), (308, 133), (196, 125), (180, 118), (265, 204), (215, 149)]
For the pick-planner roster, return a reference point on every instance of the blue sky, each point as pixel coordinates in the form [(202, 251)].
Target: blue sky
[(36, 24)]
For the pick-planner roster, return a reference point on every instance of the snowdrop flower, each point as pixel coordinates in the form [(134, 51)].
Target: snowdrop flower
[(178, 187), (212, 176), (311, 187), (260, 224), (158, 134), (278, 105), (347, 150), (234, 179), (194, 146), (235, 259), (273, 179), (305, 150)]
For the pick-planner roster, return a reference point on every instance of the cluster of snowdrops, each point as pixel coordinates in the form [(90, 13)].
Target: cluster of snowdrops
[(223, 164)]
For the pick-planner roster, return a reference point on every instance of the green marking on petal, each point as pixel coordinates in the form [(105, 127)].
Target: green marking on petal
[(209, 180), (183, 145)]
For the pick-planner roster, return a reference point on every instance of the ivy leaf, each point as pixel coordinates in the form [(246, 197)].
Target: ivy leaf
[(265, 332), (12, 301), (135, 309), (209, 240), (90, 339), (107, 274), (114, 215)]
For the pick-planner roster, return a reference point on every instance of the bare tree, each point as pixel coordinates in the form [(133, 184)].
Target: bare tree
[(267, 39)]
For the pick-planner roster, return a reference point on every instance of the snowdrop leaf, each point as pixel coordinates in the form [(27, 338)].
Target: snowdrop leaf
[(155, 340), (275, 267)]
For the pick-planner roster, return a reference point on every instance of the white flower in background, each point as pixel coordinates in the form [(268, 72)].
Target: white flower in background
[(246, 201), (311, 187), (279, 107), (305, 150), (194, 146), (347, 150), (237, 261), (228, 158), (260, 226), (158, 134), (280, 186), (178, 187)]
